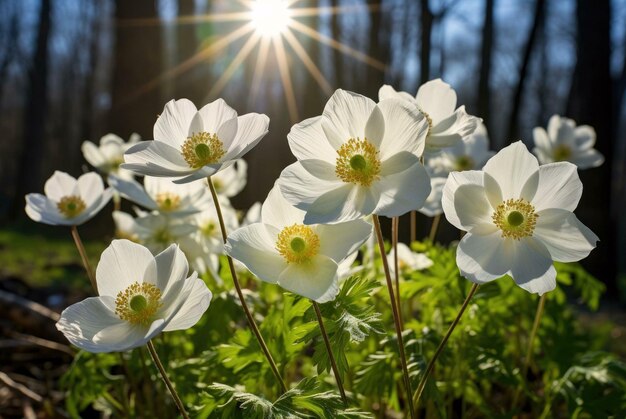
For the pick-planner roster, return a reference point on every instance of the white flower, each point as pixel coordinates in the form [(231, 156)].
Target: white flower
[(408, 260), (471, 154), (157, 231), (564, 141), (432, 207), (518, 217), (163, 195), (125, 226), (108, 156), (140, 296), (253, 215), (231, 180), (437, 101), (192, 144), (358, 158), (68, 201), (300, 258)]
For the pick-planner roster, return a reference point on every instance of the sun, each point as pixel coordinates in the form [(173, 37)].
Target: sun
[(270, 18)]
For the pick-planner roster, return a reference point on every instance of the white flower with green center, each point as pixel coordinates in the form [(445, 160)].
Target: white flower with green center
[(165, 196), (408, 260), (301, 258), (141, 295), (518, 217), (470, 154), (448, 125), (564, 141), (109, 154), (358, 158), (68, 201), (191, 144)]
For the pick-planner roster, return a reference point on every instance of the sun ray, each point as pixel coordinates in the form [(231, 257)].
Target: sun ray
[(312, 33), (186, 20), (259, 70), (235, 63), (333, 10), (283, 67), (308, 62)]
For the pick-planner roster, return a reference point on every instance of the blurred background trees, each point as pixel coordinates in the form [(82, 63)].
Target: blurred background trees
[(75, 70)]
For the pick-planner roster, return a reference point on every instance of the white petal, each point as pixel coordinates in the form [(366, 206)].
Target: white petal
[(532, 266), (567, 239), (585, 137), (90, 187), (256, 249), (437, 99), (402, 192), (432, 206), (405, 128), (540, 136), (121, 337), (588, 159), (345, 116), (251, 128), (172, 125), (320, 169), (193, 307), (215, 114), (388, 92), (227, 132), (316, 280), (345, 203), (168, 271), (473, 209), (80, 322), (133, 191), (279, 213), (121, 264), (301, 188), (559, 187), (307, 140), (94, 209), (511, 168), (42, 210), (153, 158), (484, 258), (338, 241), (59, 185), (454, 181), (375, 127), (92, 154)]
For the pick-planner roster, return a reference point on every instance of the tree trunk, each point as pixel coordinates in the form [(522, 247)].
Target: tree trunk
[(137, 60), (592, 94), (539, 15), (427, 25), (335, 27), (379, 50), (29, 177), (486, 51)]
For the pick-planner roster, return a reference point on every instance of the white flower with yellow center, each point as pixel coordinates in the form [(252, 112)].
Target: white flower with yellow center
[(470, 154), (358, 158), (564, 141), (68, 201), (141, 295), (518, 217), (408, 260), (164, 196), (109, 154), (301, 258), (448, 125), (192, 144)]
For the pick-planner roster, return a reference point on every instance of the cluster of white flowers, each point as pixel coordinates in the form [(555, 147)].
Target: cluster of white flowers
[(357, 159)]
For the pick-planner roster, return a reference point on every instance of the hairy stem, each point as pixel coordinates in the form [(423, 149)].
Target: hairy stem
[(246, 310), (396, 315), (168, 383)]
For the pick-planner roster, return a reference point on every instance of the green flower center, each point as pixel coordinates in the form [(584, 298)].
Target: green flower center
[(464, 163), (138, 303), (71, 206), (298, 243), (562, 152), (168, 201), (201, 149), (358, 162), (516, 218)]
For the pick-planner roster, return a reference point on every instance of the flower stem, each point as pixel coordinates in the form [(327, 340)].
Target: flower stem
[(330, 353), (431, 364), (395, 222), (83, 256), (531, 341), (246, 310), (413, 226), (433, 228), (396, 315), (168, 383)]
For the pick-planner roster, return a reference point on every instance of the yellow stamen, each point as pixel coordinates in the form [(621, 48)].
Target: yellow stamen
[(429, 119), (358, 162), (71, 206), (562, 152), (138, 303), (516, 218), (201, 149), (298, 243), (464, 163), (168, 201)]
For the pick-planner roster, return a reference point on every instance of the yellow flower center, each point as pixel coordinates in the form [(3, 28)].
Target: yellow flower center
[(208, 229), (201, 149), (516, 218), (464, 163), (358, 162), (428, 119), (562, 152), (298, 243), (138, 303), (71, 206), (168, 201)]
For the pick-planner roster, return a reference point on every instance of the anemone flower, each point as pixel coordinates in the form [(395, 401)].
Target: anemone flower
[(107, 156)]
